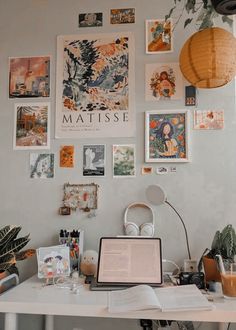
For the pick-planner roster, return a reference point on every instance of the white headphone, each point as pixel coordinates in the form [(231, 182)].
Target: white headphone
[(145, 229)]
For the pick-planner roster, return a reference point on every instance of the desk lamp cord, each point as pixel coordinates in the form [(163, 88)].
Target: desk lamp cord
[(185, 230)]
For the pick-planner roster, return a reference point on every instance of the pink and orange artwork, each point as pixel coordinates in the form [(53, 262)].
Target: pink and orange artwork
[(208, 119), (29, 77)]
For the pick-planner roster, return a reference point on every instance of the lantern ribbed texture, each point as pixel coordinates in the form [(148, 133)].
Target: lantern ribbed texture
[(208, 58)]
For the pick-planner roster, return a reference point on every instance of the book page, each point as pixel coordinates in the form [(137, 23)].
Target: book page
[(181, 298), (139, 297)]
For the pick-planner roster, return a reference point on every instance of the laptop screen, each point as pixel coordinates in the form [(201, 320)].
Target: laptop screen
[(129, 260)]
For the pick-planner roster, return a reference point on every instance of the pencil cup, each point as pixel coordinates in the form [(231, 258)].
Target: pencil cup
[(228, 280)]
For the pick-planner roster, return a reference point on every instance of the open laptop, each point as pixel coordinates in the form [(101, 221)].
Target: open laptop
[(128, 261)]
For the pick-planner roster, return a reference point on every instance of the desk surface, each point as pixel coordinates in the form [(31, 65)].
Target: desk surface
[(30, 297)]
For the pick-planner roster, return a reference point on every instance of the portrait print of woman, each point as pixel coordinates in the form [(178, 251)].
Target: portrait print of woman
[(166, 136)]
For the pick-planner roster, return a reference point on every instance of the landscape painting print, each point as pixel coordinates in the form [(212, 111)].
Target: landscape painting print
[(159, 37), (29, 77), (166, 136), (124, 160), (164, 81), (31, 126), (95, 90)]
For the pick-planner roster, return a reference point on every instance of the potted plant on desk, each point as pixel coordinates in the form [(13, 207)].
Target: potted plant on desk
[(10, 247), (224, 243)]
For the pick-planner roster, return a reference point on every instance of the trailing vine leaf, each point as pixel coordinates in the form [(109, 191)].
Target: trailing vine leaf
[(226, 19), (203, 9), (188, 21), (25, 254)]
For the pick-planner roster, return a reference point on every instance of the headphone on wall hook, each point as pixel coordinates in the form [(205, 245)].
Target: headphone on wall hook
[(145, 229)]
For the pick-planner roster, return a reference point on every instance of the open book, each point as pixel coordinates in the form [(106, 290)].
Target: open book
[(173, 298)]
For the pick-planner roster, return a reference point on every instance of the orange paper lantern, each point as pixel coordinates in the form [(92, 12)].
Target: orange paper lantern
[(208, 58)]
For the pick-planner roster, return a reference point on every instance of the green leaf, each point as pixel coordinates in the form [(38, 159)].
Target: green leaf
[(7, 261), (190, 6), (170, 13), (226, 19), (187, 22), (8, 233), (15, 245)]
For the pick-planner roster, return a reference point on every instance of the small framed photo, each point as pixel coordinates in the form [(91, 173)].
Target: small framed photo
[(159, 38), (167, 136), (94, 160)]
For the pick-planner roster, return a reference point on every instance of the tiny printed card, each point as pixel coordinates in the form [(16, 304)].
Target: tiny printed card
[(53, 261), (208, 119)]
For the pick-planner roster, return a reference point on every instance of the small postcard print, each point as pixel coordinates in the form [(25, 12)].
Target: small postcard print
[(159, 36), (162, 170), (29, 77), (208, 119), (124, 160), (41, 166), (67, 156), (90, 20), (122, 16), (164, 81), (31, 126), (146, 170), (94, 160), (53, 261)]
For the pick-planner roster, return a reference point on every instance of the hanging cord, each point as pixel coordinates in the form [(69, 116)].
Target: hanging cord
[(185, 230)]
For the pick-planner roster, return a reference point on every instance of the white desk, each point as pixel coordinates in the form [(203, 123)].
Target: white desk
[(30, 297)]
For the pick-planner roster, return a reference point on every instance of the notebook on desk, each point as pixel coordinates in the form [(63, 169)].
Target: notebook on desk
[(128, 261)]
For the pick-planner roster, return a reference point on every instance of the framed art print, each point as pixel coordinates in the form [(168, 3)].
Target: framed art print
[(164, 81), (95, 85), (159, 38), (166, 136), (31, 126)]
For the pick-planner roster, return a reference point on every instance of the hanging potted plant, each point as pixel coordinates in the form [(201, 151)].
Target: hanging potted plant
[(224, 243), (10, 250)]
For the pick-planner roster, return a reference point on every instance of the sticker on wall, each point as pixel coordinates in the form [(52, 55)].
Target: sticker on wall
[(31, 126), (166, 136), (122, 16), (124, 160), (90, 19), (146, 170), (164, 81), (67, 156), (94, 160), (29, 77), (99, 100), (162, 170), (208, 119), (41, 166), (159, 38)]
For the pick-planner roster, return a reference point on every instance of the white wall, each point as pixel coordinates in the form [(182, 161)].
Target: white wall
[(204, 191)]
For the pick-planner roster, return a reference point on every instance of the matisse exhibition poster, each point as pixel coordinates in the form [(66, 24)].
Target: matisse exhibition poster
[(95, 86)]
